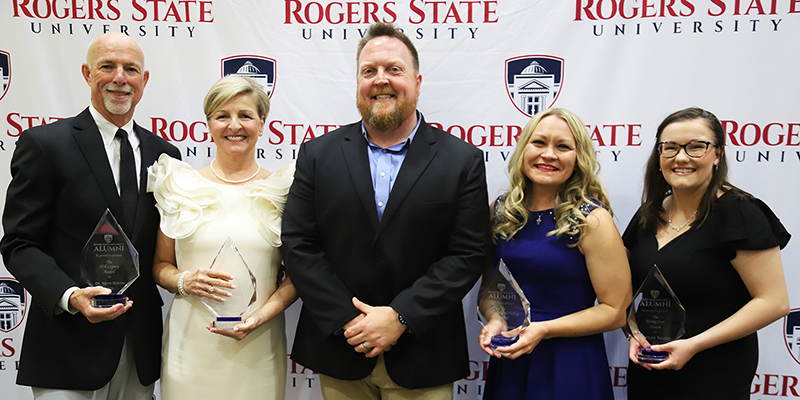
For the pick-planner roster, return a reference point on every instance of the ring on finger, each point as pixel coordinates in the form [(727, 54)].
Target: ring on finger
[(212, 290), (364, 345)]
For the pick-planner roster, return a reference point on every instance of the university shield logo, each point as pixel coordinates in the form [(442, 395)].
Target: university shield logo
[(533, 82), (262, 69), (791, 333), (13, 300), (5, 72)]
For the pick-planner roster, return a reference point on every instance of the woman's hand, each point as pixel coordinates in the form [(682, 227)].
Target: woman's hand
[(634, 348), (203, 282), (240, 331), (491, 329), (208, 283), (279, 301), (529, 338), (680, 352)]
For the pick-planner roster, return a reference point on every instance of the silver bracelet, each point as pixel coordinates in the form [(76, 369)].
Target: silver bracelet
[(181, 291)]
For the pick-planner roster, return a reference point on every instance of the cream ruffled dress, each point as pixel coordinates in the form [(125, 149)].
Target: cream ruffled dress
[(200, 215)]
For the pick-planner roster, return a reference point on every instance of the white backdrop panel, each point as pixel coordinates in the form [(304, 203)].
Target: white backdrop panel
[(626, 65)]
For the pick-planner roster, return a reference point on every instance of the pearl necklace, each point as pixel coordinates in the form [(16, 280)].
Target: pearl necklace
[(233, 182), (678, 229)]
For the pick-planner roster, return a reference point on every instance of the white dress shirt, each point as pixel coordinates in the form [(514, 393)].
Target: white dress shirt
[(108, 132)]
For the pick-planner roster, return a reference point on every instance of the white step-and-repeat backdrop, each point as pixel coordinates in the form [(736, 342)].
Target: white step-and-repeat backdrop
[(622, 65)]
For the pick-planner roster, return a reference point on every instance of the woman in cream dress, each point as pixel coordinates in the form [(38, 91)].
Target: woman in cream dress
[(231, 197)]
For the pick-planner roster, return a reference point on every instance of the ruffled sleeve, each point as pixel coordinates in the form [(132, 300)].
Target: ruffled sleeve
[(751, 225), (268, 200), (183, 198)]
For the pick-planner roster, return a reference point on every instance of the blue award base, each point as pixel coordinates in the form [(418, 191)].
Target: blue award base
[(108, 300), (227, 322), (502, 341), (648, 356)]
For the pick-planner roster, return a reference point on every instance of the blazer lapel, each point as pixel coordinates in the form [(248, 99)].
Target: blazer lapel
[(356, 159), (420, 153), (91, 144), (149, 155)]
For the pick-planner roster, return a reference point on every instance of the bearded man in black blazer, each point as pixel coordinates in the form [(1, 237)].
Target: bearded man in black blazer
[(384, 232), (64, 176)]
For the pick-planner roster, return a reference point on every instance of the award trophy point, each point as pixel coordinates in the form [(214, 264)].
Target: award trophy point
[(655, 316), (229, 313), (503, 306), (109, 259)]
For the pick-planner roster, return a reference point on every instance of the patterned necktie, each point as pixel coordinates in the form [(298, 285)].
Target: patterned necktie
[(128, 190)]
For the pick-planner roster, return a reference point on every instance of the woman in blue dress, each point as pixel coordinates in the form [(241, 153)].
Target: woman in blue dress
[(554, 230)]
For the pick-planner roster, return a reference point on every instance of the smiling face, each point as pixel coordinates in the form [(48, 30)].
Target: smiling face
[(235, 126), (114, 70), (388, 84), (683, 172), (550, 154)]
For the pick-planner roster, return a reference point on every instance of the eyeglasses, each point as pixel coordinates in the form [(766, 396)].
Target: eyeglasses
[(694, 149)]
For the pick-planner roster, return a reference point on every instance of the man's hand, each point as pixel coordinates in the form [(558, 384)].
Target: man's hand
[(81, 299), (376, 332), (354, 321)]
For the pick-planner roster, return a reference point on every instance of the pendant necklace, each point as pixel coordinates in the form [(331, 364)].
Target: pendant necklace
[(539, 217), (233, 182), (678, 228)]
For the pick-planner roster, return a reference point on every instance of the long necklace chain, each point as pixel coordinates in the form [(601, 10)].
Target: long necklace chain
[(233, 182), (678, 228)]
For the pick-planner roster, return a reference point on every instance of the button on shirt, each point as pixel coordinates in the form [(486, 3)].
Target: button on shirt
[(384, 164)]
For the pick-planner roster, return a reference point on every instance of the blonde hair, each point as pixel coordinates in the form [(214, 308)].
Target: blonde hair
[(231, 86), (572, 201)]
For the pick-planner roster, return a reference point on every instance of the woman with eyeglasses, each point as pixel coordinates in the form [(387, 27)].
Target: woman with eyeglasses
[(718, 248)]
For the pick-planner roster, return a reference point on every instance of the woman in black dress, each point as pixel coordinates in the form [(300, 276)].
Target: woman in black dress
[(718, 247)]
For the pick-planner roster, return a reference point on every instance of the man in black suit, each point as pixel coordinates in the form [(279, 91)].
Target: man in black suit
[(384, 232), (64, 176)]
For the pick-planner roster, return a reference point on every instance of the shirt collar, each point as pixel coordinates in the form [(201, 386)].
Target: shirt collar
[(108, 130)]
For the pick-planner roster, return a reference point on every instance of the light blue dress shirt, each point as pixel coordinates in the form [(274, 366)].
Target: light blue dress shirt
[(384, 164)]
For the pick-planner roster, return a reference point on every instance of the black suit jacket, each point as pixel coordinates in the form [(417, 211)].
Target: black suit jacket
[(421, 259), (61, 185)]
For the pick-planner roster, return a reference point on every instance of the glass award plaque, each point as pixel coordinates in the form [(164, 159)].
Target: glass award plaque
[(229, 313), (655, 316), (503, 307), (109, 260)]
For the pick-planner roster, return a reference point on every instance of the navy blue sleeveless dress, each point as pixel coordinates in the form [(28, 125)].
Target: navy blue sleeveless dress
[(556, 282)]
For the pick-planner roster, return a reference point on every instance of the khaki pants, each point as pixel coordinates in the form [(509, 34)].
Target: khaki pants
[(379, 386)]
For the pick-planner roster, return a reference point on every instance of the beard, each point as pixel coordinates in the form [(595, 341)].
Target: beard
[(379, 118), (115, 106)]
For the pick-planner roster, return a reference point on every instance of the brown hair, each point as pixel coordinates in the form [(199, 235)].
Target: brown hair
[(383, 29), (656, 188)]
